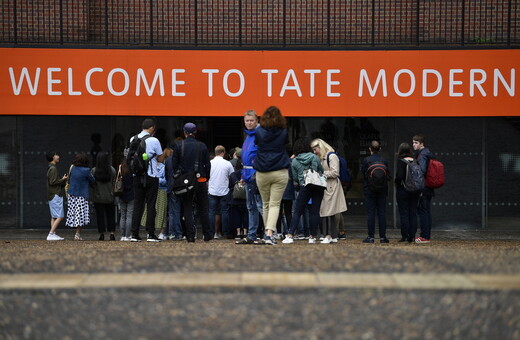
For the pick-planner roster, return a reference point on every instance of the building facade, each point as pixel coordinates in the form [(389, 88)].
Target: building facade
[(476, 140)]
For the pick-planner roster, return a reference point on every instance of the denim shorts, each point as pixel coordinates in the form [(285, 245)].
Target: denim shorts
[(56, 207)]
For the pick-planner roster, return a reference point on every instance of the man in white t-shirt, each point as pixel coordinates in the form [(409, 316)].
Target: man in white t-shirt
[(218, 190), (146, 187)]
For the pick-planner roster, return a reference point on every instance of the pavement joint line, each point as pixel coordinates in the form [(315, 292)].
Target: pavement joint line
[(403, 281)]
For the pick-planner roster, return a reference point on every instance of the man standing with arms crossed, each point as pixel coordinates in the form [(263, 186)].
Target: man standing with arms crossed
[(253, 198)]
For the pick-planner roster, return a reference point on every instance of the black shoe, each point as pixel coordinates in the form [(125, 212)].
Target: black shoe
[(135, 238), (152, 238), (112, 237), (384, 240), (207, 238), (368, 240), (191, 240), (410, 239), (245, 240), (101, 237), (402, 239)]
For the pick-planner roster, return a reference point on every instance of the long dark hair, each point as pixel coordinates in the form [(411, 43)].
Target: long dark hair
[(102, 172), (404, 150)]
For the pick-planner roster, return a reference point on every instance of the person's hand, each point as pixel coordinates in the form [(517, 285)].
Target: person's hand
[(65, 177)]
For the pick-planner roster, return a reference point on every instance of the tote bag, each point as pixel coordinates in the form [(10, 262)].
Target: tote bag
[(313, 177)]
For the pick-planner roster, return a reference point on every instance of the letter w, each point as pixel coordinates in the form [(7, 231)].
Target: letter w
[(33, 88)]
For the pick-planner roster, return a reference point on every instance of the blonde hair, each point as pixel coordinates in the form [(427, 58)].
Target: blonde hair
[(324, 147)]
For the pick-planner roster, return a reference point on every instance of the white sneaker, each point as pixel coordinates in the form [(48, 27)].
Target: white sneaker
[(54, 237), (77, 237), (288, 240), (217, 236), (312, 240), (334, 240), (161, 237), (326, 240)]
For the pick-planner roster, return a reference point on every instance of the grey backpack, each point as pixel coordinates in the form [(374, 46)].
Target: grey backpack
[(414, 180)]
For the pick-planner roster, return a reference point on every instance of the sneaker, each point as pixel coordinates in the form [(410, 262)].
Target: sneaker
[(312, 240), (162, 237), (368, 240), (217, 236), (152, 238), (288, 240), (333, 240), (277, 236), (269, 240), (135, 238), (299, 237), (421, 240), (77, 237), (384, 240), (326, 240), (342, 236), (126, 239), (54, 237)]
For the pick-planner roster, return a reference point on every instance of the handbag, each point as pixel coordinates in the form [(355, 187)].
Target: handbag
[(314, 178), (239, 191), (118, 184), (185, 182), (67, 185)]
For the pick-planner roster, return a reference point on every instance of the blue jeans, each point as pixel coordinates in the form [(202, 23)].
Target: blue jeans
[(307, 192), (425, 216), (174, 216), (214, 202), (376, 204), (254, 208), (407, 203)]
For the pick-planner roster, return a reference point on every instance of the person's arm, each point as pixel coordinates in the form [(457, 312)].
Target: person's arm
[(333, 171), (165, 154)]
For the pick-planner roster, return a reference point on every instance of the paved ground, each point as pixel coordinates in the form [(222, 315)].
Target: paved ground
[(464, 285)]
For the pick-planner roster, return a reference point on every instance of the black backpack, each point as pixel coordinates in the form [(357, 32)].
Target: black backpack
[(138, 164), (377, 177)]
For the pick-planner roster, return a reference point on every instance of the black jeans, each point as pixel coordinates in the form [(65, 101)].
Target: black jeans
[(107, 210), (376, 205), (199, 195), (407, 203), (144, 193), (308, 192)]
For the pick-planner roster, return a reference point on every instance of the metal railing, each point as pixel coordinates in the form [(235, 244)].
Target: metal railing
[(266, 24)]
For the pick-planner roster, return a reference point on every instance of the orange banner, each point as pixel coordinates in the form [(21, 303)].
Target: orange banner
[(227, 83)]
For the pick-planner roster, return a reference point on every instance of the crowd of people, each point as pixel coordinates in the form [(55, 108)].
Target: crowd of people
[(261, 193)]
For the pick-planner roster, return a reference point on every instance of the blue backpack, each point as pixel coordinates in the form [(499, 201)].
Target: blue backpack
[(345, 175)]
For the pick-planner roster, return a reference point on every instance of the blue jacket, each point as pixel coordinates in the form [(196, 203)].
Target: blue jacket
[(249, 150), (80, 180), (271, 154), (423, 157)]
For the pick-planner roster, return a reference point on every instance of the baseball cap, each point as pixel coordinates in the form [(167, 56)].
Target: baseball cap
[(190, 128)]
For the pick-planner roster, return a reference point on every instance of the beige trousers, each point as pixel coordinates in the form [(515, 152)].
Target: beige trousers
[(271, 185)]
